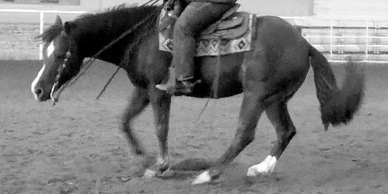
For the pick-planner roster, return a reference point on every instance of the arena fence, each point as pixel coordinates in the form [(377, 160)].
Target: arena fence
[(364, 38), (41, 19)]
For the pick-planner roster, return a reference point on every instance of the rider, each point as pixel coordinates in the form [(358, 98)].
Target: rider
[(196, 16)]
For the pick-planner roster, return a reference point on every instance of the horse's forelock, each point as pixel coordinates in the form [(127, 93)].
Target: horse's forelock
[(50, 33)]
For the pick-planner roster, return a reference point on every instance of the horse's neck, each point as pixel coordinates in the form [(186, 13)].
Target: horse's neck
[(109, 54), (108, 31), (97, 42)]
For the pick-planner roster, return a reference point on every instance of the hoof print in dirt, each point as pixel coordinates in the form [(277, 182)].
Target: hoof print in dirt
[(124, 178)]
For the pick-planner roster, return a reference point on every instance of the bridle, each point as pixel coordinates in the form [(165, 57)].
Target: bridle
[(88, 63), (60, 70)]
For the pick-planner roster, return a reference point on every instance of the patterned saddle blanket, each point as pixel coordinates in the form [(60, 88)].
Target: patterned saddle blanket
[(233, 33)]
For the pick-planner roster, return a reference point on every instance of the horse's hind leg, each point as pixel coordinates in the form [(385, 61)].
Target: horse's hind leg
[(137, 103), (285, 130), (250, 112)]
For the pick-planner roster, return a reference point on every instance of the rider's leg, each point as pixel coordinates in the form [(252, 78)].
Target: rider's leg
[(196, 17)]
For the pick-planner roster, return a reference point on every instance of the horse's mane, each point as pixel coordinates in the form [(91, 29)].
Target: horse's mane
[(133, 15), (109, 9)]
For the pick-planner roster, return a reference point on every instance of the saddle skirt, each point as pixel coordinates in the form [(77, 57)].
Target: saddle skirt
[(233, 33)]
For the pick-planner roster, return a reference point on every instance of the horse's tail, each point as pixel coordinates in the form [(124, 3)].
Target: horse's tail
[(338, 105)]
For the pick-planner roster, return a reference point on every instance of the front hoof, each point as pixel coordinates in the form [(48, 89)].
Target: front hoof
[(160, 169), (148, 174), (202, 178), (166, 174)]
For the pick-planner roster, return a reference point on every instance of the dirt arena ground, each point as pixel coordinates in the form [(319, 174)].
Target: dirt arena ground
[(76, 147)]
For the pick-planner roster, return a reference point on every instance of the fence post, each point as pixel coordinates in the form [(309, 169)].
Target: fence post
[(41, 28), (367, 39), (331, 38)]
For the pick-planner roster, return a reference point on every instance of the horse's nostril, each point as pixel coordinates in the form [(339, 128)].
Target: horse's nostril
[(39, 92)]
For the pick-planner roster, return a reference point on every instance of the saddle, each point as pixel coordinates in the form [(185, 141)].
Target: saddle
[(233, 33), (232, 25)]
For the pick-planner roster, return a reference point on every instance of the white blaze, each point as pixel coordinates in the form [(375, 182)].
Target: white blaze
[(35, 82), (50, 49)]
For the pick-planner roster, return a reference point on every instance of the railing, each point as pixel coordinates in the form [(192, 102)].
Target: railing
[(337, 47), (41, 19), (334, 49)]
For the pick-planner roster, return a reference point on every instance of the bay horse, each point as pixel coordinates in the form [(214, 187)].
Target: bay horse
[(267, 76)]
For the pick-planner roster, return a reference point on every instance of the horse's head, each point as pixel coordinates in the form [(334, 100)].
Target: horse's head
[(62, 61), (67, 44)]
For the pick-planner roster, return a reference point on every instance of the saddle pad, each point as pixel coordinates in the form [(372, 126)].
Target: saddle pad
[(213, 45)]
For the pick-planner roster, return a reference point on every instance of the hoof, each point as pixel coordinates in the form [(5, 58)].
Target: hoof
[(202, 178), (264, 168), (167, 174), (148, 174)]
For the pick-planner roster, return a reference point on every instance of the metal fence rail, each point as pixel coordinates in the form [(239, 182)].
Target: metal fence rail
[(330, 40), (41, 19), (368, 36)]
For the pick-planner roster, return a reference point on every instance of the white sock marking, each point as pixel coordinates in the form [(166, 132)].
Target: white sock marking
[(149, 174), (266, 167), (202, 178)]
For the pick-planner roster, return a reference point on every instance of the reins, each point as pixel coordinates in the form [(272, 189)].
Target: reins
[(216, 82), (89, 63), (123, 62)]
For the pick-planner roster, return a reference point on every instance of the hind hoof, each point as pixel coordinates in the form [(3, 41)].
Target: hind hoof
[(264, 168), (202, 178)]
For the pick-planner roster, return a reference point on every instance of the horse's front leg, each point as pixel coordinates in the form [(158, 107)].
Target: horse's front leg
[(138, 102), (160, 103)]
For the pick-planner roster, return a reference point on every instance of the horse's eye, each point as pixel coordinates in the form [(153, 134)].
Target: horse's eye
[(61, 57)]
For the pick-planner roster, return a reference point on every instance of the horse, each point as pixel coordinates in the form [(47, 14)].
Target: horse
[(267, 76)]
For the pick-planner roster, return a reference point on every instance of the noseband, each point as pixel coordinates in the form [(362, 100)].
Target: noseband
[(57, 77)]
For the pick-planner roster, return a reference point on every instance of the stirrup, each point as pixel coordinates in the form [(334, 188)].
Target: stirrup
[(189, 83), (163, 87), (171, 82), (185, 86)]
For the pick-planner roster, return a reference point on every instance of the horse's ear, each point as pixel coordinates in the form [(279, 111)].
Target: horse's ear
[(68, 27), (58, 21)]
